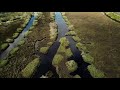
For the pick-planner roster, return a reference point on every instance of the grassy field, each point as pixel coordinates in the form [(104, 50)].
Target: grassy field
[(104, 35)]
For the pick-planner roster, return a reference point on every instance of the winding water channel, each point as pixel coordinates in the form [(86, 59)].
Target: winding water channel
[(5, 53), (46, 60)]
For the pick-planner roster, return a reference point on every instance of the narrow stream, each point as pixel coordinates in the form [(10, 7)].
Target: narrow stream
[(5, 53), (46, 60)]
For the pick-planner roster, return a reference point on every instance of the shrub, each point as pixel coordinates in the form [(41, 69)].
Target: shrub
[(4, 46), (68, 53), (29, 70), (3, 63), (44, 50), (87, 58), (57, 60), (76, 38), (76, 76), (15, 35), (9, 40), (21, 42), (70, 33), (13, 51), (95, 72), (71, 65)]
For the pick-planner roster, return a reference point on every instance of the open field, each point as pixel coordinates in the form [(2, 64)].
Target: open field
[(104, 35)]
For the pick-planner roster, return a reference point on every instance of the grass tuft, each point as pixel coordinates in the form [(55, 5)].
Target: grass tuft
[(57, 60), (4, 46), (44, 50), (76, 38), (13, 51), (95, 72), (71, 65), (29, 70), (3, 63), (70, 33)]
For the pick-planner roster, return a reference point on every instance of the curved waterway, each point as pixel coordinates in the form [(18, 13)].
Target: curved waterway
[(46, 60), (5, 53)]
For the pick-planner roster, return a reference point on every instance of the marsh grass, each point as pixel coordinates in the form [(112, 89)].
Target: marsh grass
[(58, 58), (88, 58), (81, 47), (3, 63), (9, 40), (27, 33), (70, 33), (68, 53), (14, 50), (21, 42), (15, 35), (71, 65), (4, 46), (113, 15), (30, 69), (64, 42), (44, 50), (19, 30), (76, 38), (95, 72), (70, 27)]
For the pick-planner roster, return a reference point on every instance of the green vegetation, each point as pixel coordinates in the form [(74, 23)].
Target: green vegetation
[(4, 46), (76, 76), (15, 35), (52, 16), (3, 63), (70, 27), (14, 50), (29, 70), (113, 15), (61, 49), (76, 38), (57, 60), (44, 50), (71, 65), (50, 43), (64, 42), (88, 58), (68, 53), (9, 40), (53, 30), (95, 72), (19, 30), (27, 33), (21, 42), (81, 47), (70, 33)]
